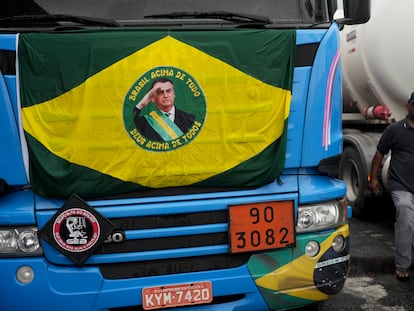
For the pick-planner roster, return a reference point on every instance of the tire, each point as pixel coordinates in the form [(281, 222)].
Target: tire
[(353, 172)]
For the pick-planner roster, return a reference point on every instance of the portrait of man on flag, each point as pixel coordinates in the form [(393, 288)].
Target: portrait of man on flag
[(166, 122)]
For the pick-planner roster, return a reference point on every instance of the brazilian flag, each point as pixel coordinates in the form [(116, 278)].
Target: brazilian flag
[(86, 132)]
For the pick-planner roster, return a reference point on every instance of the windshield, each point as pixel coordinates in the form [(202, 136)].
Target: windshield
[(130, 12)]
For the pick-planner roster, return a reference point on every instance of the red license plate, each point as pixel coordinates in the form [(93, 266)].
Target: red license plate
[(166, 296), (261, 226)]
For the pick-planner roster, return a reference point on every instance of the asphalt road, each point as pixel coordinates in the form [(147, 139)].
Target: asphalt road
[(371, 284)]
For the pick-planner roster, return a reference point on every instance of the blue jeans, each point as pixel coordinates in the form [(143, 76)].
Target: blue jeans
[(403, 228)]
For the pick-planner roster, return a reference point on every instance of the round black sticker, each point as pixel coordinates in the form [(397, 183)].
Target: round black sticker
[(76, 230)]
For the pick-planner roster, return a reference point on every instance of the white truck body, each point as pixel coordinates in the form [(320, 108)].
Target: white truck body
[(377, 81), (377, 59)]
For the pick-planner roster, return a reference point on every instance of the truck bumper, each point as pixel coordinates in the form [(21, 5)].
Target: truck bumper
[(277, 282), (71, 288)]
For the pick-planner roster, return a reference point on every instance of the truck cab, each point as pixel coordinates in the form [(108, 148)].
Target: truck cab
[(225, 203)]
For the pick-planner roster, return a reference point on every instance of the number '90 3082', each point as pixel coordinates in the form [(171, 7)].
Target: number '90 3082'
[(261, 226)]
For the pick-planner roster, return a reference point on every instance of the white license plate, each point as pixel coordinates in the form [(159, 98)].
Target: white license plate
[(176, 295)]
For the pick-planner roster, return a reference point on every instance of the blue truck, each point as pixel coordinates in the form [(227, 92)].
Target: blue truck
[(171, 154)]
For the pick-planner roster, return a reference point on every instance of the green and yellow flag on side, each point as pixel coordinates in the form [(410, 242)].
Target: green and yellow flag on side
[(79, 91)]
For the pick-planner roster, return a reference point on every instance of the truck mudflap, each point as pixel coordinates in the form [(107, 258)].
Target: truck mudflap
[(303, 280)]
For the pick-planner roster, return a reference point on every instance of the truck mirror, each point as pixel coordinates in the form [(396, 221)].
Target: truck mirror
[(357, 11)]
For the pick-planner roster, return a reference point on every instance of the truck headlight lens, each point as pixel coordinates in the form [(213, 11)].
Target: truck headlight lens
[(321, 216), (25, 274), (19, 242), (312, 248), (338, 244)]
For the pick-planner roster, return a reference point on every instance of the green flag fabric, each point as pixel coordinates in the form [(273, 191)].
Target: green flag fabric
[(88, 133)]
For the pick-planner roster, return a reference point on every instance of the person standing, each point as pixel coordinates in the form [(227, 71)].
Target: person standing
[(399, 139)]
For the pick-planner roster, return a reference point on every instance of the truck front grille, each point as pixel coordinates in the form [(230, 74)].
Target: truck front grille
[(196, 241), (159, 238)]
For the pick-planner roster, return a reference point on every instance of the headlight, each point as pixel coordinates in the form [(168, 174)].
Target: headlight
[(19, 242), (321, 216)]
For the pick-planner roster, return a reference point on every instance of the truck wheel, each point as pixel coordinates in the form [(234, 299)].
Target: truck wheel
[(353, 172)]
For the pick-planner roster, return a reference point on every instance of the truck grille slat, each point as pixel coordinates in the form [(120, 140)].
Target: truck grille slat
[(171, 266), (164, 243), (166, 221)]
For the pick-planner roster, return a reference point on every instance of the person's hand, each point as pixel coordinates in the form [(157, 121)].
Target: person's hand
[(374, 185), (146, 99)]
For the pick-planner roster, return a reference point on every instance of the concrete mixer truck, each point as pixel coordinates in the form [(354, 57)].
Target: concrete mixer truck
[(377, 80)]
